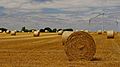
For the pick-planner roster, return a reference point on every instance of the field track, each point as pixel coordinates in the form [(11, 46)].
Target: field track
[(24, 50)]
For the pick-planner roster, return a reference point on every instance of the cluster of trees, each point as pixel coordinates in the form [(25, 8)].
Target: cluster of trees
[(47, 28), (3, 29), (41, 30)]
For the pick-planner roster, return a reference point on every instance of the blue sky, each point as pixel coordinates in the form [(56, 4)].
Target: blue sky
[(75, 14)]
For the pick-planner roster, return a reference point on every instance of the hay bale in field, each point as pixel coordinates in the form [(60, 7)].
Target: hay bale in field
[(110, 34), (3, 31), (46, 31), (8, 32), (80, 46), (105, 31), (65, 35), (36, 33), (60, 32), (38, 30), (15, 30), (81, 30), (99, 31), (13, 33), (86, 31), (33, 30), (76, 30), (22, 31), (0, 31)]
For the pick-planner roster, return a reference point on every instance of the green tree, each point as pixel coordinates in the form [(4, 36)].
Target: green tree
[(23, 28), (54, 30), (49, 29)]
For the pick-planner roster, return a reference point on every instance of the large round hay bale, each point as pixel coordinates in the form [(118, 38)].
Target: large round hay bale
[(110, 34), (80, 46), (36, 33), (60, 32), (65, 35), (8, 32), (13, 33), (99, 31)]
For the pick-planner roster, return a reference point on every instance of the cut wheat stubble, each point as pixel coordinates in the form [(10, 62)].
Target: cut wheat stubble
[(80, 46)]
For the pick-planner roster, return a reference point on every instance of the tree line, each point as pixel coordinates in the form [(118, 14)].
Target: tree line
[(41, 30)]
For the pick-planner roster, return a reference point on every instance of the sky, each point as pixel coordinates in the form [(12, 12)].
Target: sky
[(37, 14)]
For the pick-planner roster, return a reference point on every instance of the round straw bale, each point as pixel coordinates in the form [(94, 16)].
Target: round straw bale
[(46, 31), (13, 33), (60, 32), (15, 30), (7, 32), (36, 33), (0, 31), (99, 31), (22, 31), (76, 30), (32, 30), (80, 46), (65, 35), (3, 31), (105, 31), (81, 30), (86, 31), (110, 34)]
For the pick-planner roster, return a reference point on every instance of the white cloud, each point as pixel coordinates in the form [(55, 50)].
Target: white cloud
[(75, 10)]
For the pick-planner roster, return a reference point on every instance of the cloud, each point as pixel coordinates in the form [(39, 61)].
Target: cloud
[(63, 13), (43, 0), (2, 9), (52, 10)]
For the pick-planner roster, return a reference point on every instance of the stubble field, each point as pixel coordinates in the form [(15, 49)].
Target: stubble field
[(24, 50)]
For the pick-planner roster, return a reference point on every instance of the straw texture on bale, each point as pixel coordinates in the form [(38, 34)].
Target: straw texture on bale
[(99, 31), (110, 34), (60, 32), (13, 33), (36, 33), (80, 46), (65, 35)]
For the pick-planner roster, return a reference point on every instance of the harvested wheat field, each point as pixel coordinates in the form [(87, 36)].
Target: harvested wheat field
[(46, 50)]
